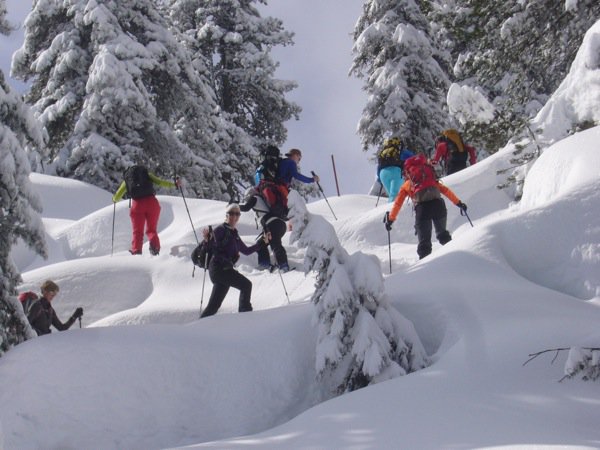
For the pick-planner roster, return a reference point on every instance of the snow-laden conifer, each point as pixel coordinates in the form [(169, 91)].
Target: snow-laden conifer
[(362, 339), (395, 55), (19, 204), (238, 42), (111, 84), (516, 52)]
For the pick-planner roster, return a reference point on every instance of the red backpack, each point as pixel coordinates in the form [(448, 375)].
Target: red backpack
[(423, 179), (275, 196), (27, 300)]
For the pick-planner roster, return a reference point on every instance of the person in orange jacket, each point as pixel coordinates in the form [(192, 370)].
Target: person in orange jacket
[(428, 203)]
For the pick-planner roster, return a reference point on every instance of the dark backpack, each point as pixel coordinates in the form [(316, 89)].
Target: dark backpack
[(28, 299), (275, 196), (269, 164), (422, 177), (202, 254), (457, 150), (138, 182)]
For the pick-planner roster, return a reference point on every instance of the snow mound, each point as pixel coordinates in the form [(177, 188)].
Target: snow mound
[(564, 167)]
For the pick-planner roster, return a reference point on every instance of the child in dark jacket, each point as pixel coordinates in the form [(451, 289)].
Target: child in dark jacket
[(42, 315)]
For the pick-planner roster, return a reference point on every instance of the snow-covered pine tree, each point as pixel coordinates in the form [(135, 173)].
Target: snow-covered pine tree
[(206, 127), (110, 84), (395, 54), (516, 52), (236, 43), (362, 339), (19, 204)]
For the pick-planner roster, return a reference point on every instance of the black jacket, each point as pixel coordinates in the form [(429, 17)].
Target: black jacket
[(42, 315)]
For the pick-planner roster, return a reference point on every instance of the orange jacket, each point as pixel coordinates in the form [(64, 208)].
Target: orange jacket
[(406, 190)]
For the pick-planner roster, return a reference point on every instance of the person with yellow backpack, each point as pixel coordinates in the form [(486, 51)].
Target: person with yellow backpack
[(453, 152), (390, 163)]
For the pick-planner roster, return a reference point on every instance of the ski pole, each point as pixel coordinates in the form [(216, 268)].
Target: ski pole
[(379, 195), (189, 215), (324, 196), (79, 322), (210, 232), (386, 220), (112, 239), (283, 284), (463, 212)]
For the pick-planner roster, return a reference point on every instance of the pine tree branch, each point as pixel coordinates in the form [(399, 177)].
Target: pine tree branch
[(557, 350)]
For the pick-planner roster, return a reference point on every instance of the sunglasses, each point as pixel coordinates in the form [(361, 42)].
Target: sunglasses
[(234, 214)]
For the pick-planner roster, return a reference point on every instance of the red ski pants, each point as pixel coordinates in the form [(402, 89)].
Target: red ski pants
[(144, 212)]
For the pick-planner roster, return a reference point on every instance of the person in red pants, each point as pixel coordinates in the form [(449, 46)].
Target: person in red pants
[(138, 184)]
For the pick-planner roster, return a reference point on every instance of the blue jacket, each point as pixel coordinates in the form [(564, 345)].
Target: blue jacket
[(289, 170)]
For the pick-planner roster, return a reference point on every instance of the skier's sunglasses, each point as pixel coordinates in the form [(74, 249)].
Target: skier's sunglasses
[(234, 213)]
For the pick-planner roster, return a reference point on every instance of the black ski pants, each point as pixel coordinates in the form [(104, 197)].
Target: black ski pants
[(277, 228), (224, 276), (428, 213)]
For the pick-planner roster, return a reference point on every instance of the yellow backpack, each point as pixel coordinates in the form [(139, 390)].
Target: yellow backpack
[(454, 136)]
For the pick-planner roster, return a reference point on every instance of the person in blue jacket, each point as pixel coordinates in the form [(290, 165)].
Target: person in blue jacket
[(288, 169), (390, 162)]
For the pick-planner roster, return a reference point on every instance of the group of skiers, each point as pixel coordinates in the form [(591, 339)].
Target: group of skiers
[(268, 200), (401, 172), (404, 174)]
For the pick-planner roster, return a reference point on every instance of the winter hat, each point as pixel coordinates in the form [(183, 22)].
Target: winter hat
[(293, 152)]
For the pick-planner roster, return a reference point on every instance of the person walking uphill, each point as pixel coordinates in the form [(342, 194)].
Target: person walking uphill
[(225, 245), (424, 189), (288, 169), (451, 149), (139, 184), (41, 314), (390, 161), (271, 222)]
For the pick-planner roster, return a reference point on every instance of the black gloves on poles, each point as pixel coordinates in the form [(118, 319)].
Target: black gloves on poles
[(462, 206), (78, 313), (388, 223)]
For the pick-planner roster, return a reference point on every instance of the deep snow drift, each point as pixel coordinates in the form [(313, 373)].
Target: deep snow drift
[(525, 278)]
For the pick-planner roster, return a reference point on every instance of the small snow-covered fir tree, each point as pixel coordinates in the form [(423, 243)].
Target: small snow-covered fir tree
[(19, 204), (395, 54), (362, 339)]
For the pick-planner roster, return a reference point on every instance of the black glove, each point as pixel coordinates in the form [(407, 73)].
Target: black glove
[(462, 206), (388, 223), (78, 313)]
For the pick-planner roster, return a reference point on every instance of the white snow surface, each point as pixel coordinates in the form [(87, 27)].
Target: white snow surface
[(145, 373)]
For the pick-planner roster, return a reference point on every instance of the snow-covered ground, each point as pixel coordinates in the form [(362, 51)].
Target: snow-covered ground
[(145, 373)]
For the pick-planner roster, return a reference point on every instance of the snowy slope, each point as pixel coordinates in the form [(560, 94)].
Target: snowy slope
[(524, 279)]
